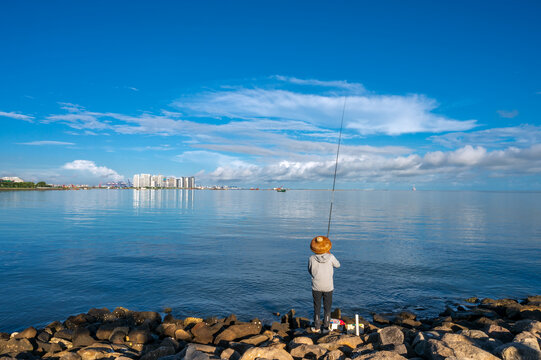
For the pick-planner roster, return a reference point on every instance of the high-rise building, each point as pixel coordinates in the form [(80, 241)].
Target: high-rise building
[(178, 182), (136, 183), (170, 182), (144, 180), (191, 182)]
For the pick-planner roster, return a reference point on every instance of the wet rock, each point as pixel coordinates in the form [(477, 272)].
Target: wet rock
[(183, 335), (76, 321), (240, 347), (55, 326), (299, 322), (27, 333), (202, 333), (235, 332), (167, 329), (381, 319), (138, 336), (152, 318), (269, 352), (381, 355), (472, 300), (121, 313), (390, 335), (100, 314)]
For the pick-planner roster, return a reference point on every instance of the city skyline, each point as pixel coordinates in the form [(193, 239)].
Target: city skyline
[(440, 95)]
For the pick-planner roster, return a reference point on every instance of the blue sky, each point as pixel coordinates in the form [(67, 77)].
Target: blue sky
[(443, 95)]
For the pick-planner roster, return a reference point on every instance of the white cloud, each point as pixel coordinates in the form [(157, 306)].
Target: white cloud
[(438, 165), (523, 135), (508, 114), (367, 114), (340, 84), (90, 167), (46, 142), (14, 115)]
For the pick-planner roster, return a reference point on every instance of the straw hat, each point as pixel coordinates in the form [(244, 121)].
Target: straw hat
[(320, 244)]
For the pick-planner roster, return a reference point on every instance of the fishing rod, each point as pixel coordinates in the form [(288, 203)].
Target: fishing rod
[(336, 165)]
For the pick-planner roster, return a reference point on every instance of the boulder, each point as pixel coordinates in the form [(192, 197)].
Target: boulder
[(64, 334), (230, 320), (339, 342), (81, 338), (183, 335), (28, 333), (529, 339), (464, 348), (148, 317), (300, 340), (63, 342), (308, 351), (44, 336), (191, 353), (202, 333), (76, 321), (255, 340), (532, 326), (100, 314), (500, 333), (139, 336), (230, 354), (334, 355), (96, 351), (15, 346), (269, 352), (235, 332), (158, 353), (381, 355), (435, 350), (68, 355), (390, 335), (517, 351), (118, 336), (381, 319)]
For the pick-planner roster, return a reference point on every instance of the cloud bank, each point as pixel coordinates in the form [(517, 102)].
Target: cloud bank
[(87, 167)]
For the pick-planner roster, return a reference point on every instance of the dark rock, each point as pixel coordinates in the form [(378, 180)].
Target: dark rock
[(76, 321), (255, 340), (390, 335), (4, 336), (158, 353), (64, 334), (339, 342), (381, 319), (44, 336), (118, 337), (277, 327), (81, 338), (235, 332), (334, 355), (138, 336), (55, 326), (472, 300), (96, 351), (381, 355), (27, 333), (300, 322), (529, 339), (105, 331), (532, 326), (240, 347), (336, 314), (99, 314), (46, 347)]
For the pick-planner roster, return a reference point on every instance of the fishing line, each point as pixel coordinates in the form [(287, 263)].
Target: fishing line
[(336, 165)]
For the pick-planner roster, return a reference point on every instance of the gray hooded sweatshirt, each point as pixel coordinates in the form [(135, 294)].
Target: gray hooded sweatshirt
[(321, 268)]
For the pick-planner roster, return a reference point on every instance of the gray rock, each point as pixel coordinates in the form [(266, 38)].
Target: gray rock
[(381, 355), (300, 340), (517, 351), (64, 334), (15, 346), (118, 336), (529, 339), (44, 336), (139, 336), (81, 338), (532, 326), (500, 333), (158, 353), (390, 335), (70, 356), (334, 355), (269, 352)]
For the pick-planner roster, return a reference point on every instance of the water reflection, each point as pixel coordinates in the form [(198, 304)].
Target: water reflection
[(163, 198)]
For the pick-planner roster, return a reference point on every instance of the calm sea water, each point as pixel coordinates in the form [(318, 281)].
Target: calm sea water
[(206, 253)]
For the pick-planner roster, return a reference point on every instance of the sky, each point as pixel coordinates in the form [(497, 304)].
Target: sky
[(438, 95)]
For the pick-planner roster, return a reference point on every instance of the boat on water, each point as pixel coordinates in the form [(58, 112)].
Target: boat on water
[(280, 189)]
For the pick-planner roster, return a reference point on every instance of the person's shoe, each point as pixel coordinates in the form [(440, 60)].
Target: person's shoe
[(315, 330), (325, 331)]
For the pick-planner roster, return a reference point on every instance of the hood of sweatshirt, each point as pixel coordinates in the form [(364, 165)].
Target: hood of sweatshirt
[(323, 258)]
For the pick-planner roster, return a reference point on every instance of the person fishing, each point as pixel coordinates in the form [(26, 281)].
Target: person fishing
[(321, 268)]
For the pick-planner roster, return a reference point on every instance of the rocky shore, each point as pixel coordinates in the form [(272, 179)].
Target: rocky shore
[(482, 329)]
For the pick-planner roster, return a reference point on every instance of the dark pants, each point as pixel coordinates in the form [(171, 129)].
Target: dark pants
[(327, 304)]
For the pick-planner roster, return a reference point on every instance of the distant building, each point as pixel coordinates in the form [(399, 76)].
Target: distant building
[(136, 181), (13, 178), (171, 182), (191, 182), (145, 180), (159, 181)]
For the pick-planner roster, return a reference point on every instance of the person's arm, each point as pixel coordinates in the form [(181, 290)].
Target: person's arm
[(335, 262), (310, 266)]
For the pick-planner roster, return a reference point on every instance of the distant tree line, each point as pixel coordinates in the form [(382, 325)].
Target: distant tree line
[(26, 184)]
